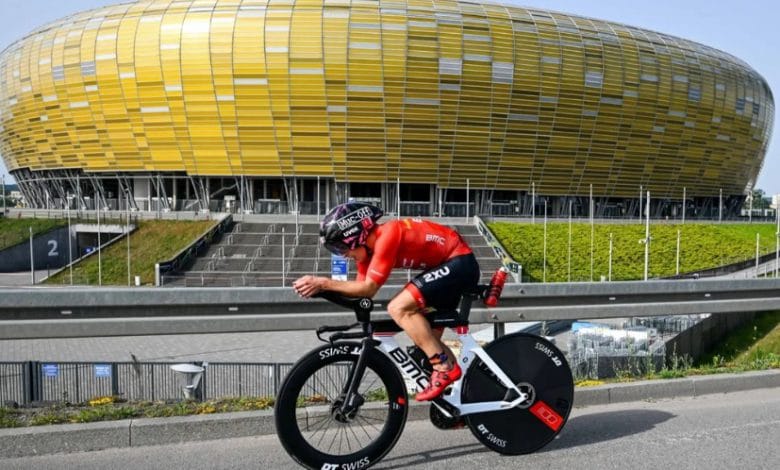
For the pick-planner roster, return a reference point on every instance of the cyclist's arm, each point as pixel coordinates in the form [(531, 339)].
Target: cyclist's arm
[(307, 286)]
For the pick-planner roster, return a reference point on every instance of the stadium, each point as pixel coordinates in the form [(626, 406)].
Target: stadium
[(424, 107)]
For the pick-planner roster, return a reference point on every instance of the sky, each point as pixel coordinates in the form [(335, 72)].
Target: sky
[(747, 29)]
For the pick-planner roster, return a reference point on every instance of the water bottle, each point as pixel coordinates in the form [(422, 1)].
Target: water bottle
[(496, 286)]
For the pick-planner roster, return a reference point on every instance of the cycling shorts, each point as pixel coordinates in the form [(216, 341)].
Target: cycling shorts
[(441, 288)]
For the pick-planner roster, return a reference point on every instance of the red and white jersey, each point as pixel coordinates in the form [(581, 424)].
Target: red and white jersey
[(412, 244)]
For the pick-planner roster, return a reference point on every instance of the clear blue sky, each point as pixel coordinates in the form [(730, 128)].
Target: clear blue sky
[(747, 29)]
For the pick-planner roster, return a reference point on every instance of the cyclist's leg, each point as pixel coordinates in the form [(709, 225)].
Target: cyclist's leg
[(404, 310), (438, 288)]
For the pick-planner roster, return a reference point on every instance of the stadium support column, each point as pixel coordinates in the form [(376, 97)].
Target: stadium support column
[(327, 194), (251, 195), (291, 191), (431, 198), (388, 197)]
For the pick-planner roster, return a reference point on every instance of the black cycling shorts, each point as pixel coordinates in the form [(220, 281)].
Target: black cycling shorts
[(441, 288)]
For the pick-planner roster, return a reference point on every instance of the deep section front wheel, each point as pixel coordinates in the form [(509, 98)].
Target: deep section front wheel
[(538, 369), (315, 426)]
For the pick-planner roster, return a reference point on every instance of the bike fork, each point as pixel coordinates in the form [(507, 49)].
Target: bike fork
[(352, 399)]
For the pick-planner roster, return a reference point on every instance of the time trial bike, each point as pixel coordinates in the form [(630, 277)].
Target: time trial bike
[(344, 405)]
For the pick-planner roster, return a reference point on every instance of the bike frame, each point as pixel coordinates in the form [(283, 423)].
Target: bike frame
[(470, 350)]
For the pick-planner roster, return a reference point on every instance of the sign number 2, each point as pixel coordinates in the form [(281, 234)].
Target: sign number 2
[(53, 250)]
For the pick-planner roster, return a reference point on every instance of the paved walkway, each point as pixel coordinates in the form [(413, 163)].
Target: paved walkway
[(22, 278), (284, 346)]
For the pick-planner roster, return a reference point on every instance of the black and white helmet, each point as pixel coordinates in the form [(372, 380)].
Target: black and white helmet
[(346, 226)]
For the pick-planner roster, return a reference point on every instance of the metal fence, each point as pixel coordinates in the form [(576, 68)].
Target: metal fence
[(593, 356), (25, 383)]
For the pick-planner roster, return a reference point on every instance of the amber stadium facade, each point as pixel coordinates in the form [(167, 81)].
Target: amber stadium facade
[(423, 105)]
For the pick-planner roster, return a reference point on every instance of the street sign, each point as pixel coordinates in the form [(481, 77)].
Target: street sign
[(338, 267), (50, 370), (102, 370)]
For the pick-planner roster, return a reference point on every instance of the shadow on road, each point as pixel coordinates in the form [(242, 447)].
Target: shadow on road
[(579, 431), (429, 457), (600, 427)]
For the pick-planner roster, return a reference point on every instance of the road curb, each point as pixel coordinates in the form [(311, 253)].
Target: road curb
[(66, 438)]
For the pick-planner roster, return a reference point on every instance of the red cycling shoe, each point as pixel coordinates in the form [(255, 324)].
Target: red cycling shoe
[(440, 380)]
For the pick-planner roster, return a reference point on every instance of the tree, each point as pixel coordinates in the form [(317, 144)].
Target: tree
[(759, 201)]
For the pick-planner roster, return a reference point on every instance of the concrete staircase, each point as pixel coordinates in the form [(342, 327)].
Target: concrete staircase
[(273, 254)]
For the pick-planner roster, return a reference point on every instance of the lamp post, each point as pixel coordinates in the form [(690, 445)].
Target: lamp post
[(609, 277), (685, 203), (68, 199), (646, 241), (282, 256), (467, 199), (677, 263), (32, 260), (398, 198), (100, 265), (592, 229), (569, 254), (544, 250), (127, 234), (777, 240)]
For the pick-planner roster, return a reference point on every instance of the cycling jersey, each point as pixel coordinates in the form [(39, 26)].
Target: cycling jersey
[(412, 244)]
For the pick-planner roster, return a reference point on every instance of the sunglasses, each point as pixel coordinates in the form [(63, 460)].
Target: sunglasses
[(337, 248)]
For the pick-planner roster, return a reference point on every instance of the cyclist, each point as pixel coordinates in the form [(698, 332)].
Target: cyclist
[(448, 264)]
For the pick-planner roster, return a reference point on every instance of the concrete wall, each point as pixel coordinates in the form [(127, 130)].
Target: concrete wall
[(50, 250), (696, 341)]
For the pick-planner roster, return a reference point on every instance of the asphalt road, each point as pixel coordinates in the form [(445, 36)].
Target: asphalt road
[(735, 430)]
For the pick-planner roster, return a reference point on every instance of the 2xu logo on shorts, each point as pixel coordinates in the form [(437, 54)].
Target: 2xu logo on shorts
[(436, 274), (362, 463)]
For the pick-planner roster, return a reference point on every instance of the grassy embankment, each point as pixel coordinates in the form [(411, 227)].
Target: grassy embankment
[(153, 241), (702, 246), (15, 231)]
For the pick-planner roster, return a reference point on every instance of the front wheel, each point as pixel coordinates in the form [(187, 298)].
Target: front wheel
[(314, 427), (537, 368)]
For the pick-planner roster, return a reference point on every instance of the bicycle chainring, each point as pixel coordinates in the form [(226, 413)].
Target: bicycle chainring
[(441, 421)]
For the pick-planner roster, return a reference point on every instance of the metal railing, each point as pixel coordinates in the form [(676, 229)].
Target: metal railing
[(30, 382), (85, 312)]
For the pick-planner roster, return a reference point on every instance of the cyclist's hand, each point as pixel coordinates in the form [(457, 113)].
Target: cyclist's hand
[(307, 286)]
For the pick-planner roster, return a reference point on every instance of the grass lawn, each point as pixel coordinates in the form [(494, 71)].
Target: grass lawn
[(153, 241), (702, 246)]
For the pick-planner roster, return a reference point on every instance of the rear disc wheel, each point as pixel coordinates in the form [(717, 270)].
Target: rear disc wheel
[(538, 369)]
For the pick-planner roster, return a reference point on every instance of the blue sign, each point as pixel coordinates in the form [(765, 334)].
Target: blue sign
[(102, 370), (338, 267), (50, 370)]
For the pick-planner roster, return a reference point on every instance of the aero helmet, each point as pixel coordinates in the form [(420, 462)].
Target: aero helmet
[(347, 226)]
